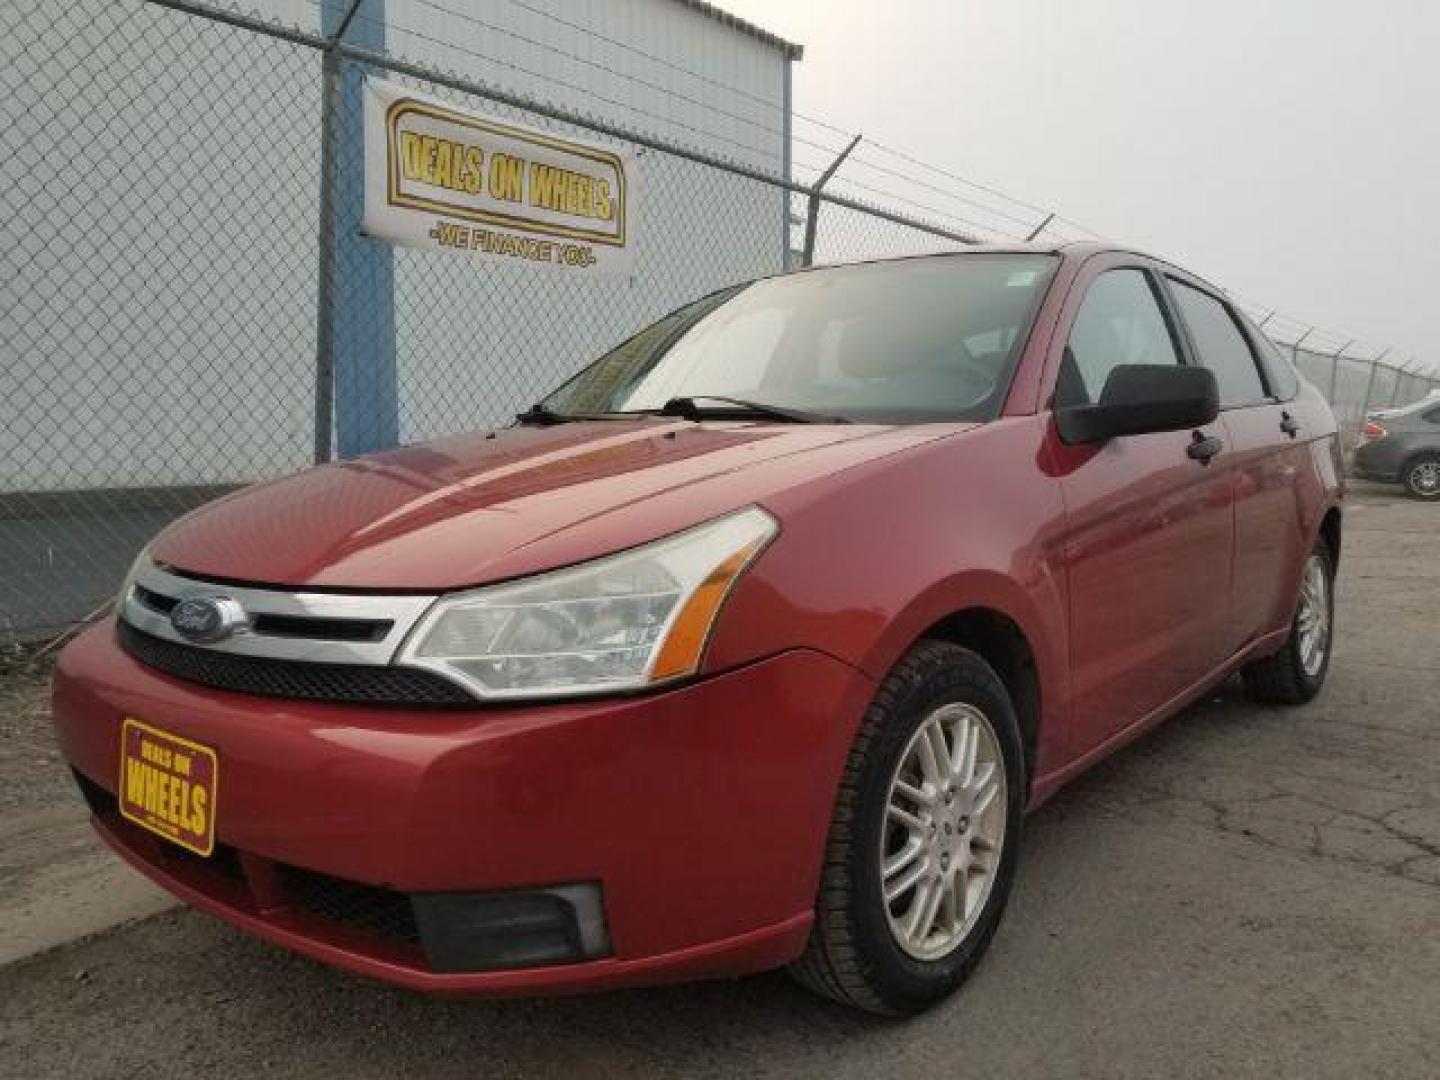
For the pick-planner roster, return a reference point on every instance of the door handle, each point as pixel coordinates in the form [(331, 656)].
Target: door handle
[(1204, 447), (1288, 425)]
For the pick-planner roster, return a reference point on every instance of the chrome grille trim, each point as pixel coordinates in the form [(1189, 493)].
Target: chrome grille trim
[(402, 612)]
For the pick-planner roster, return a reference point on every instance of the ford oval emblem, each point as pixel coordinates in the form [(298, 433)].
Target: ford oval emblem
[(207, 619)]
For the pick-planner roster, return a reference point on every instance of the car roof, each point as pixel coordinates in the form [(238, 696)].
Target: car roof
[(1077, 251)]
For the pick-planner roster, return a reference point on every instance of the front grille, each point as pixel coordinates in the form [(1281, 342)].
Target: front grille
[(368, 908), (320, 627), (154, 600), (358, 684)]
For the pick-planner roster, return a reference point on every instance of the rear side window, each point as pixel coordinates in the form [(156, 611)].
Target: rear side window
[(1279, 372), (1222, 347), (1119, 322), (1433, 416)]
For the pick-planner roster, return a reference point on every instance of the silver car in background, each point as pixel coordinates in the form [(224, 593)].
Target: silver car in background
[(1402, 446)]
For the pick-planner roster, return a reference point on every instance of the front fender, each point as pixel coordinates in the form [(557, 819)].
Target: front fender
[(866, 563)]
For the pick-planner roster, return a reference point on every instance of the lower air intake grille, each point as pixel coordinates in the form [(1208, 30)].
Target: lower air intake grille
[(377, 911), (350, 683)]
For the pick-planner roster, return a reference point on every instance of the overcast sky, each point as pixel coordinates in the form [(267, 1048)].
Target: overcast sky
[(1287, 149)]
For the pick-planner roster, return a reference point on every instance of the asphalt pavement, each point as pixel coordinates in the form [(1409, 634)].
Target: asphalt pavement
[(1247, 891)]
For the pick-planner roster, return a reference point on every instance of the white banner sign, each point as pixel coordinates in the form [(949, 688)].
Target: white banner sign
[(442, 179)]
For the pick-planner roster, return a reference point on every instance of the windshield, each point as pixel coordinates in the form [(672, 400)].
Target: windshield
[(918, 339)]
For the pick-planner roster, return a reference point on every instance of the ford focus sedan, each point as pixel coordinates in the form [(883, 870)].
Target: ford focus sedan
[(749, 646)]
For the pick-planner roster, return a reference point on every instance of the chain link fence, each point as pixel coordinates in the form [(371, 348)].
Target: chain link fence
[(1356, 387), (171, 301)]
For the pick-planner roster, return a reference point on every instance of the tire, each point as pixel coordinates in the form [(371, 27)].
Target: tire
[(1421, 477), (854, 955), (1290, 676)]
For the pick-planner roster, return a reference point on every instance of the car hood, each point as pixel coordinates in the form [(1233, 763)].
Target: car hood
[(477, 508)]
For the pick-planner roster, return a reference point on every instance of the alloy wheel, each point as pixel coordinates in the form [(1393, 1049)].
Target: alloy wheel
[(944, 828), (1312, 622), (1425, 478)]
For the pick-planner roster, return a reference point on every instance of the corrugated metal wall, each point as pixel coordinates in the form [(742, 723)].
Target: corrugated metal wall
[(655, 65), (160, 193), (139, 253)]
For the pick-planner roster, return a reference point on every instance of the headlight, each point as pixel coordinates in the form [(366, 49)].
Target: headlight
[(622, 622), (141, 562)]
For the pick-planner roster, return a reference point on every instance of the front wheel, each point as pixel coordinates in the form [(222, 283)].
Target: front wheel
[(924, 838), (1295, 674)]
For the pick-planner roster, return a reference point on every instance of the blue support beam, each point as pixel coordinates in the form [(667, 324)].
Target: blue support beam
[(361, 310)]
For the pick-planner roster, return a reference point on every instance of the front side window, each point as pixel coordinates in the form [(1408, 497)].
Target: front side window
[(916, 339), (1119, 323), (1222, 348)]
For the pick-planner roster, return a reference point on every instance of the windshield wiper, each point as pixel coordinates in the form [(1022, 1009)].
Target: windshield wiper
[(543, 416), (688, 408)]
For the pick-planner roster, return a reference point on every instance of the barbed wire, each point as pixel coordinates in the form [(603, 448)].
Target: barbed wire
[(843, 183), (586, 91), (552, 48), (831, 149), (590, 31), (1312, 337)]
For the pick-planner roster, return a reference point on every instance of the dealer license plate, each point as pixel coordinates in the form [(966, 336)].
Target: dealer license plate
[(168, 785)]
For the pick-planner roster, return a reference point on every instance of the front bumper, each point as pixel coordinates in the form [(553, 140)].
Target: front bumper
[(700, 812)]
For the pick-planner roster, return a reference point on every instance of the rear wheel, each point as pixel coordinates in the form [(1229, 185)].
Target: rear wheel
[(1295, 674), (1422, 477), (924, 838)]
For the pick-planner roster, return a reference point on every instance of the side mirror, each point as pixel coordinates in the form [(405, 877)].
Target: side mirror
[(1142, 398)]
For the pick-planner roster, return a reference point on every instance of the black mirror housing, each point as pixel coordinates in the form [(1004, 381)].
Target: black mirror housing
[(1139, 399)]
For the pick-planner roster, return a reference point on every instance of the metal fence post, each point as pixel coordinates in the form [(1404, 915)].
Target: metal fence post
[(360, 305), (325, 284), (1370, 385), (812, 212), (1335, 372), (1295, 348), (1040, 228), (787, 169), (1401, 373), (325, 278)]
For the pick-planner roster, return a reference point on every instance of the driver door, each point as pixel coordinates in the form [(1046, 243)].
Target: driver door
[(1149, 528)]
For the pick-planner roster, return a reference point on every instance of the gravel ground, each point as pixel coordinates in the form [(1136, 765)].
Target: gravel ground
[(1247, 891), (57, 882), (29, 762)]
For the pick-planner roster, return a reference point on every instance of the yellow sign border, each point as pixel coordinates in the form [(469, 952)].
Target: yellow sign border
[(395, 197), (125, 727)]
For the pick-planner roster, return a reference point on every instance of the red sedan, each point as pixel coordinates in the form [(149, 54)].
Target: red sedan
[(751, 645)]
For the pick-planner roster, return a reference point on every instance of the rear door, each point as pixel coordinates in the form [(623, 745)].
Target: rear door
[(1149, 527), (1268, 452)]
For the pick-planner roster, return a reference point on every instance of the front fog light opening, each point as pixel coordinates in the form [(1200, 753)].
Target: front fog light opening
[(468, 932)]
